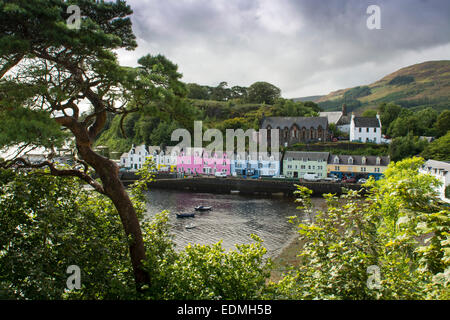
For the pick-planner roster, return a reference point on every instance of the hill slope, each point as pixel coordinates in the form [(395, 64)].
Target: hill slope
[(421, 85)]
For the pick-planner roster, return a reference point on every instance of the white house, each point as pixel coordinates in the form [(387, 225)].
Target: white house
[(441, 170), (166, 160), (135, 158), (365, 129)]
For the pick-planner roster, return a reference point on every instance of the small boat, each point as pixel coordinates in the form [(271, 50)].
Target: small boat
[(190, 226), (185, 215), (202, 208)]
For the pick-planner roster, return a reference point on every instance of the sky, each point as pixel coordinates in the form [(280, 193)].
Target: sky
[(304, 47)]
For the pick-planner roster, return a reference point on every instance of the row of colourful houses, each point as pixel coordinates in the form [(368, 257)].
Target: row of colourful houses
[(295, 164), (323, 164)]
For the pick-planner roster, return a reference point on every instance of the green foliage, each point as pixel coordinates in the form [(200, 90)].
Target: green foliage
[(36, 127), (336, 104), (209, 272), (344, 148), (219, 93), (370, 113), (401, 80), (401, 227), (404, 147), (263, 92), (48, 224), (443, 122), (438, 149), (357, 92), (289, 108)]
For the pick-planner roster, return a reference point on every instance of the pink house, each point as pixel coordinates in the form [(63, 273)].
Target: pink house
[(200, 161)]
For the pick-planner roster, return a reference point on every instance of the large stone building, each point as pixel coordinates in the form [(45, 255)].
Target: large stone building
[(297, 129)]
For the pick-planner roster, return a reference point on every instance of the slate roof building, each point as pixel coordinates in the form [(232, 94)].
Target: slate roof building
[(365, 129), (297, 163), (357, 166), (340, 118), (297, 129)]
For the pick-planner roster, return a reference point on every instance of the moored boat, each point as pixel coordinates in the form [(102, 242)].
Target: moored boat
[(185, 215), (202, 208)]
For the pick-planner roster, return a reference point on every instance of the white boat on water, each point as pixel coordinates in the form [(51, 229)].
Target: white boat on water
[(190, 226)]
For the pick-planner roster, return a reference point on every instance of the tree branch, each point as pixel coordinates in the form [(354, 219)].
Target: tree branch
[(24, 164)]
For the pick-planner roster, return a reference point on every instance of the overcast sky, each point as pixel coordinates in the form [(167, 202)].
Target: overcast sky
[(305, 47)]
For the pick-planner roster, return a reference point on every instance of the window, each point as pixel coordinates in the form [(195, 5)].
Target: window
[(367, 130), (375, 130), (336, 168), (363, 169), (359, 129), (303, 167)]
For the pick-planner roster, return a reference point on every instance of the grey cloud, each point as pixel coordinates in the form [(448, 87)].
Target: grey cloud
[(304, 47)]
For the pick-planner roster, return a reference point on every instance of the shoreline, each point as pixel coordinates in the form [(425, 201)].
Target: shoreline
[(288, 256)]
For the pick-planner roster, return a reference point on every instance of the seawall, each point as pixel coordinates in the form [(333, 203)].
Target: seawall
[(247, 186)]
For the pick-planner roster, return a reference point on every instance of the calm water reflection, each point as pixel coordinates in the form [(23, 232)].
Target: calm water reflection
[(232, 219)]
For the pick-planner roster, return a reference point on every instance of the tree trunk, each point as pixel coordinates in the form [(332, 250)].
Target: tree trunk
[(108, 172)]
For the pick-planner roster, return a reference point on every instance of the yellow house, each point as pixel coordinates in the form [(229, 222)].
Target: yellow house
[(357, 166)]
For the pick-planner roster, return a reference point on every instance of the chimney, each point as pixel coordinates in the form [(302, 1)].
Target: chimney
[(344, 109)]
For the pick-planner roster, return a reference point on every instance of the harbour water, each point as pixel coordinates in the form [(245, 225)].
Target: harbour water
[(233, 218)]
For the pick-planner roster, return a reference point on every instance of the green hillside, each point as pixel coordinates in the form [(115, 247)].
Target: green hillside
[(418, 86)]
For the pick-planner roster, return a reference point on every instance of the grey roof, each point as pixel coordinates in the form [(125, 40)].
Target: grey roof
[(153, 149), (309, 156), (366, 122), (438, 165), (306, 122), (256, 156), (333, 116), (358, 160), (344, 120)]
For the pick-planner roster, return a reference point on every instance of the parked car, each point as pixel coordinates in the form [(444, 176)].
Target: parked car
[(311, 177), (332, 178), (220, 175), (349, 180), (362, 180)]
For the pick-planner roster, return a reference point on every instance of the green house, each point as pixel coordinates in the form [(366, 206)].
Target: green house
[(297, 163)]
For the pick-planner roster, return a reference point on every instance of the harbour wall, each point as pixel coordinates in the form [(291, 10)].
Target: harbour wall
[(247, 186)]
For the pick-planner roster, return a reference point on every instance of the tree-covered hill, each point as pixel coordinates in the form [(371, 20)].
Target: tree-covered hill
[(418, 86)]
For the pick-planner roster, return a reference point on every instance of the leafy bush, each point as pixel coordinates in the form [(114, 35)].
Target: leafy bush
[(400, 228)]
